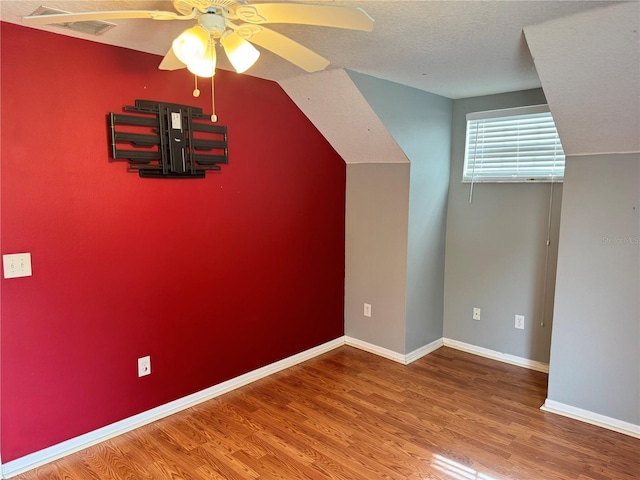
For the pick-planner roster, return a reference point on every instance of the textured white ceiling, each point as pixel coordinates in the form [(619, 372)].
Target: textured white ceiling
[(337, 108), (452, 48), (589, 65)]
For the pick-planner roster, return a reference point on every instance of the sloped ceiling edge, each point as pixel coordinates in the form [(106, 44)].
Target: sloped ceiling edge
[(589, 66), (339, 111)]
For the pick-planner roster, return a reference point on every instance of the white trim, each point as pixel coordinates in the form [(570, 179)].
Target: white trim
[(55, 452), (422, 351), (501, 357), (390, 354), (36, 459), (587, 416), (509, 112), (371, 348)]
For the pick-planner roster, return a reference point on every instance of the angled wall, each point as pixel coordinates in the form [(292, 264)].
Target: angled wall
[(395, 211), (589, 66), (377, 202), (420, 122)]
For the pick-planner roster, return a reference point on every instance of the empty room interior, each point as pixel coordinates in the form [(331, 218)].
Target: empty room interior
[(402, 244)]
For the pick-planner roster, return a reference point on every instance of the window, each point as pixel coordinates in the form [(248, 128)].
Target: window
[(514, 145)]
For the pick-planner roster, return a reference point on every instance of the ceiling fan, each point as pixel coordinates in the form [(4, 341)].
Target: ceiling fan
[(234, 24)]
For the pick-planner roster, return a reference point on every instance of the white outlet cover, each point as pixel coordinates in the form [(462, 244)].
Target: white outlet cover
[(476, 313), (367, 309), (16, 265), (144, 366), (520, 322)]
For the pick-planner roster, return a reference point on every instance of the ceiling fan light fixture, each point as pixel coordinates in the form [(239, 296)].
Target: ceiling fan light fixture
[(191, 44), (241, 53), (204, 66)]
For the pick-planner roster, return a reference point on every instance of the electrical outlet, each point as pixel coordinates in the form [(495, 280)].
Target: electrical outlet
[(476, 313), (144, 366), (16, 265), (520, 322), (367, 309)]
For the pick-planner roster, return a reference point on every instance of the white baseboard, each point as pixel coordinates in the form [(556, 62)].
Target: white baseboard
[(36, 459), (422, 351), (390, 354), (502, 357), (371, 348), (586, 416)]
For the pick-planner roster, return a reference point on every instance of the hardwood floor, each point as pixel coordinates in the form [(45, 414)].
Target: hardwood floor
[(351, 415)]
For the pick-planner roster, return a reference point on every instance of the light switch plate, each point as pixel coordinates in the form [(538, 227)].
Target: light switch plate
[(16, 265)]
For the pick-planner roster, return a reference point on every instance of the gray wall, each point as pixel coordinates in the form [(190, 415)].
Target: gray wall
[(496, 250), (428, 191), (375, 252), (595, 354), (420, 123)]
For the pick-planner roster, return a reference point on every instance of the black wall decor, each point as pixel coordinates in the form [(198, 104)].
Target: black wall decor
[(168, 140)]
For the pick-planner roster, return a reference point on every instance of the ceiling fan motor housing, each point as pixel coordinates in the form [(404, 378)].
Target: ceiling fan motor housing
[(213, 23), (185, 7)]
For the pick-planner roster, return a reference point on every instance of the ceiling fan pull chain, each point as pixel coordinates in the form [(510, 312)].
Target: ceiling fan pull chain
[(196, 92), (214, 117)]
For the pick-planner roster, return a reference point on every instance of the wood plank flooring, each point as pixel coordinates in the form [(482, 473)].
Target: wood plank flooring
[(351, 415)]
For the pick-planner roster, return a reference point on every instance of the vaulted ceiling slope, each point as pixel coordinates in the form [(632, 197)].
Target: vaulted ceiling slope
[(589, 65), (337, 108), (451, 48)]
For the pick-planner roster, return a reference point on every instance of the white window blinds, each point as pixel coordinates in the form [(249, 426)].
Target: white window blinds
[(514, 145)]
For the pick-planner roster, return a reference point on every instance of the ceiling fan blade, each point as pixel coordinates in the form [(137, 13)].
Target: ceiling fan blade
[(105, 15), (171, 62), (288, 49), (322, 15)]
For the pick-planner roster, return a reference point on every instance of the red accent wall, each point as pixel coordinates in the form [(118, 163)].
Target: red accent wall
[(213, 278)]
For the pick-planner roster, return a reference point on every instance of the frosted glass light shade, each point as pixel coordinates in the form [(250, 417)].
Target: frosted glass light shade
[(204, 66), (191, 44), (241, 53)]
